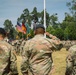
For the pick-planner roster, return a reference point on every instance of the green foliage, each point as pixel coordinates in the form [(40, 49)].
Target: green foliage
[(64, 30), (31, 33), (72, 7), (54, 17), (35, 15), (70, 32), (25, 16), (51, 30), (8, 25), (14, 33), (59, 33)]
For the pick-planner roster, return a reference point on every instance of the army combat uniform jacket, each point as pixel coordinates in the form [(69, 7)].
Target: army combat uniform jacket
[(37, 55), (71, 61), (7, 59)]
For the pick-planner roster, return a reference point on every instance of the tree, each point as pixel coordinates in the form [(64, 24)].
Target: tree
[(53, 19), (68, 24), (14, 33), (25, 16), (68, 17), (8, 25), (51, 30), (70, 31), (34, 15), (67, 21), (59, 33), (47, 18), (72, 7)]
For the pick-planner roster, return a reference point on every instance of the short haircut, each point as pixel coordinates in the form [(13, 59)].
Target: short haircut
[(39, 31), (2, 32)]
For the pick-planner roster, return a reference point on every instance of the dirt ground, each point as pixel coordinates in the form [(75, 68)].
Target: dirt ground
[(58, 59)]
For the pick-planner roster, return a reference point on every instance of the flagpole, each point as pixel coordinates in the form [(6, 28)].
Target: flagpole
[(45, 16)]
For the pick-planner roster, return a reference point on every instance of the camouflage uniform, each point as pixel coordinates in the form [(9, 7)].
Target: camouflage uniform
[(67, 44), (71, 61), (21, 46), (7, 59), (18, 46), (37, 55)]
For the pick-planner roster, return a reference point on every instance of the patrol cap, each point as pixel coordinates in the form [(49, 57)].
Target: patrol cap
[(39, 26)]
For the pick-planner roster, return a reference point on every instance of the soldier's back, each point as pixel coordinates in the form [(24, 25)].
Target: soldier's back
[(37, 53), (4, 57)]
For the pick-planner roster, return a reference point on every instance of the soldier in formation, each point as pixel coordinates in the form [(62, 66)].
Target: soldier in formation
[(37, 53), (71, 61), (67, 44), (18, 45), (7, 56)]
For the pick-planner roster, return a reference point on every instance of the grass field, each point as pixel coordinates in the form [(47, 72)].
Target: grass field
[(58, 59)]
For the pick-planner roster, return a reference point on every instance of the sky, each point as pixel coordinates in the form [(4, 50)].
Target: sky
[(12, 9)]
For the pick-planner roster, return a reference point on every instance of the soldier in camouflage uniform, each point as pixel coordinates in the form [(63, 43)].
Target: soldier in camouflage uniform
[(7, 56), (68, 43), (71, 61), (21, 46), (37, 53), (18, 45)]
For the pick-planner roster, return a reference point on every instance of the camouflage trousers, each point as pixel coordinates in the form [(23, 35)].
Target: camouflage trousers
[(32, 74), (71, 72), (12, 74)]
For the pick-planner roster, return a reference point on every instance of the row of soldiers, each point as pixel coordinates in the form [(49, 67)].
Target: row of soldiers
[(36, 54), (18, 44), (68, 43)]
